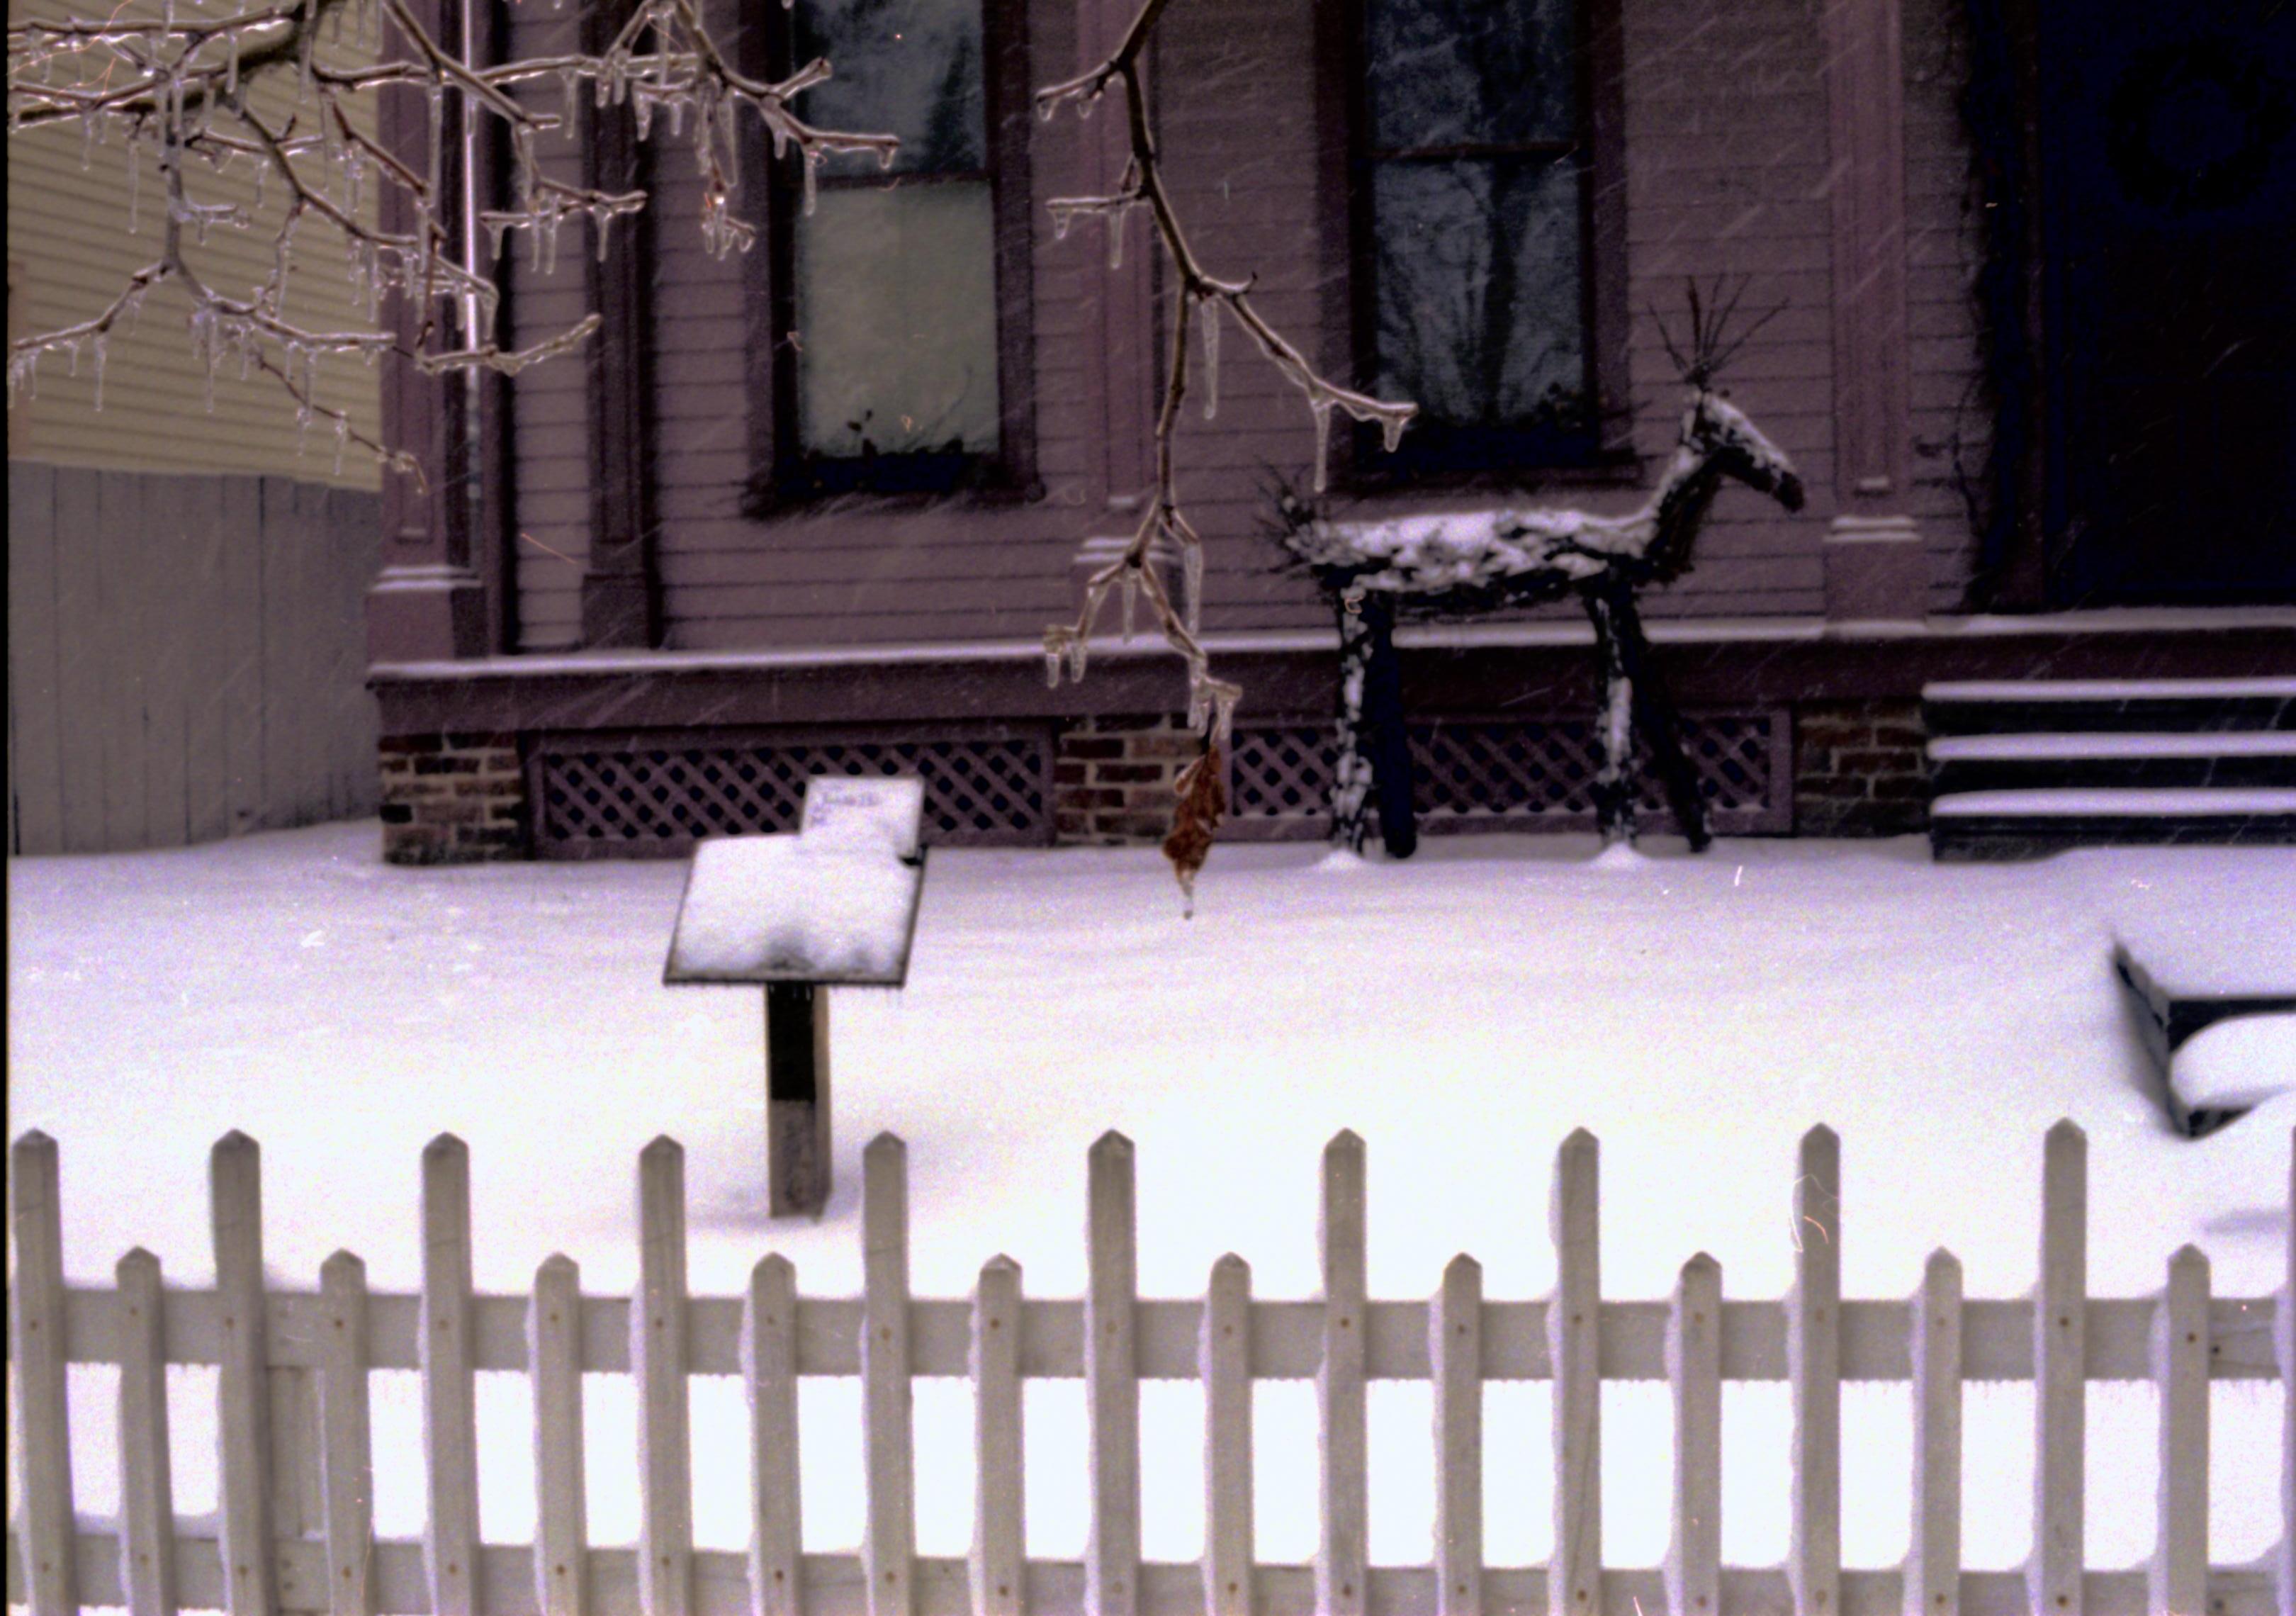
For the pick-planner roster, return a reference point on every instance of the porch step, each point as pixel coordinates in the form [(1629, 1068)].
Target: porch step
[(2023, 768)]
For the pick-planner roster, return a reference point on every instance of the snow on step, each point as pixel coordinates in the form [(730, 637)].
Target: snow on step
[(2109, 802), (2109, 690), (2110, 744)]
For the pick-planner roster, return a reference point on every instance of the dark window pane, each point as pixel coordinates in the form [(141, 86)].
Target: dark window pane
[(1471, 72), (1478, 291), (897, 321), (910, 68)]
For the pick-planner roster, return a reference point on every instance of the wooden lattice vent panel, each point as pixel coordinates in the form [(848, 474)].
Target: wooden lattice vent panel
[(1514, 773), (980, 790)]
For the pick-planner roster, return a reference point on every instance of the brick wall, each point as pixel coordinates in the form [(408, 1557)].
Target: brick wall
[(1112, 778), (453, 798), (1859, 769)]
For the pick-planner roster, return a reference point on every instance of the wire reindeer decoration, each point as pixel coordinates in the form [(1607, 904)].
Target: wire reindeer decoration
[(1468, 564)]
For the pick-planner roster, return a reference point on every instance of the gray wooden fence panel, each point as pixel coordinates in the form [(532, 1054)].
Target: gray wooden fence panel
[(187, 657)]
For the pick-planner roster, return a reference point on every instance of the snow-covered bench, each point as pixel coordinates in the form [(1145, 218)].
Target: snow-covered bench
[(2183, 980), (834, 906)]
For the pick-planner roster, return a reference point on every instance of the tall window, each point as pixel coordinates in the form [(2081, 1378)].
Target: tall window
[(1471, 182), (888, 373)]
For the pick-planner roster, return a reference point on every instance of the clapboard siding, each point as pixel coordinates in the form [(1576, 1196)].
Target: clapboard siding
[(186, 657), (70, 252), (1726, 173)]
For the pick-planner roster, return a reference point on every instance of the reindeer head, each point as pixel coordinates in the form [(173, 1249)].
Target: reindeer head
[(1713, 429)]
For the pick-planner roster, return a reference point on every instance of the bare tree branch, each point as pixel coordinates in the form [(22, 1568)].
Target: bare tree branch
[(1211, 700)]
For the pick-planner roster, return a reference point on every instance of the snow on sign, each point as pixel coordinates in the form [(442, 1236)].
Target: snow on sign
[(835, 905)]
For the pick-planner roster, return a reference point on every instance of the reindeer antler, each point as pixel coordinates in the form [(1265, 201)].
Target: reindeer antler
[(1711, 313)]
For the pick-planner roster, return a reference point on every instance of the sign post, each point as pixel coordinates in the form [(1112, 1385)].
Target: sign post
[(835, 905)]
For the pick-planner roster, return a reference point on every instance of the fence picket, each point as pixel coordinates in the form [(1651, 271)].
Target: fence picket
[(331, 1343), (2053, 1575), (346, 1453), (2284, 1348), (1455, 1358), (1933, 1576), (147, 1501), (769, 1378), (2180, 1367), (450, 1406), (1814, 1372), (658, 1362), (1224, 1361), (243, 1389), (1574, 1571), (1111, 1553), (999, 1569), (889, 1532), (1340, 1561), (1693, 1367), (38, 1348), (553, 1356)]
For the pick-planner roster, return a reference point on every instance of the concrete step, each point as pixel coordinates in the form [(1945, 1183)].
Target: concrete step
[(2113, 759), (2023, 823), (2157, 706)]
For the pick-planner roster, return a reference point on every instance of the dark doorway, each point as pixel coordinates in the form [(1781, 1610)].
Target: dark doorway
[(2168, 197)]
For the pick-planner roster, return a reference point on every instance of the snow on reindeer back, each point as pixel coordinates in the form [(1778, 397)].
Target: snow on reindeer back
[(836, 903)]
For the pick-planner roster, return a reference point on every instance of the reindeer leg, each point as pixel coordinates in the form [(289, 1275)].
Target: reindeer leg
[(1614, 728), (1385, 736), (1351, 771), (1662, 724)]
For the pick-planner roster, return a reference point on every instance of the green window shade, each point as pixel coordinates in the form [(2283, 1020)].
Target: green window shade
[(895, 292), (897, 321)]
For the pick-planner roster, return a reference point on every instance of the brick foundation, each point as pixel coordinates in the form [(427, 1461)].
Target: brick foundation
[(1859, 768), (1112, 779), (454, 799)]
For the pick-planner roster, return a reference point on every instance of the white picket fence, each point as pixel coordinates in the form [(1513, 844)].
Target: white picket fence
[(295, 1529)]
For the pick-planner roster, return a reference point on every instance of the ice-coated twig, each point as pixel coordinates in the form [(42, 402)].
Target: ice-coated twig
[(177, 86), (1212, 701)]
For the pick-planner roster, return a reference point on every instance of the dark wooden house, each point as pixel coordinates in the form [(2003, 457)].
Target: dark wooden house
[(813, 508)]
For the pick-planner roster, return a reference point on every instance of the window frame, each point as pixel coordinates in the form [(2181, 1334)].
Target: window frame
[(1351, 317), (772, 203)]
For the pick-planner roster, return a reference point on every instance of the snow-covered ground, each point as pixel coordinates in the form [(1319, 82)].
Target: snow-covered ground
[(1462, 1013)]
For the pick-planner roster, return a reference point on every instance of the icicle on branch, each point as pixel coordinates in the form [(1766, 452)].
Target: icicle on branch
[(179, 90), (1212, 701)]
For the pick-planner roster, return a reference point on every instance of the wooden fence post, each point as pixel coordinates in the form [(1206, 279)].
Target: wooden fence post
[(449, 1409), (889, 1532), (147, 1494), (1932, 1573), (1814, 1371), (1341, 1559), (769, 1378), (1111, 1550), (1224, 1360), (346, 1452), (553, 1359), (1693, 1369), (658, 1363), (2053, 1575), (36, 1319), (243, 1393), (2284, 1345), (1454, 1358), (999, 1569), (1574, 1571), (2178, 1583)]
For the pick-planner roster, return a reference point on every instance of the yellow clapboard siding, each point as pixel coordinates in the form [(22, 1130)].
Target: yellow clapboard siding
[(71, 253)]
